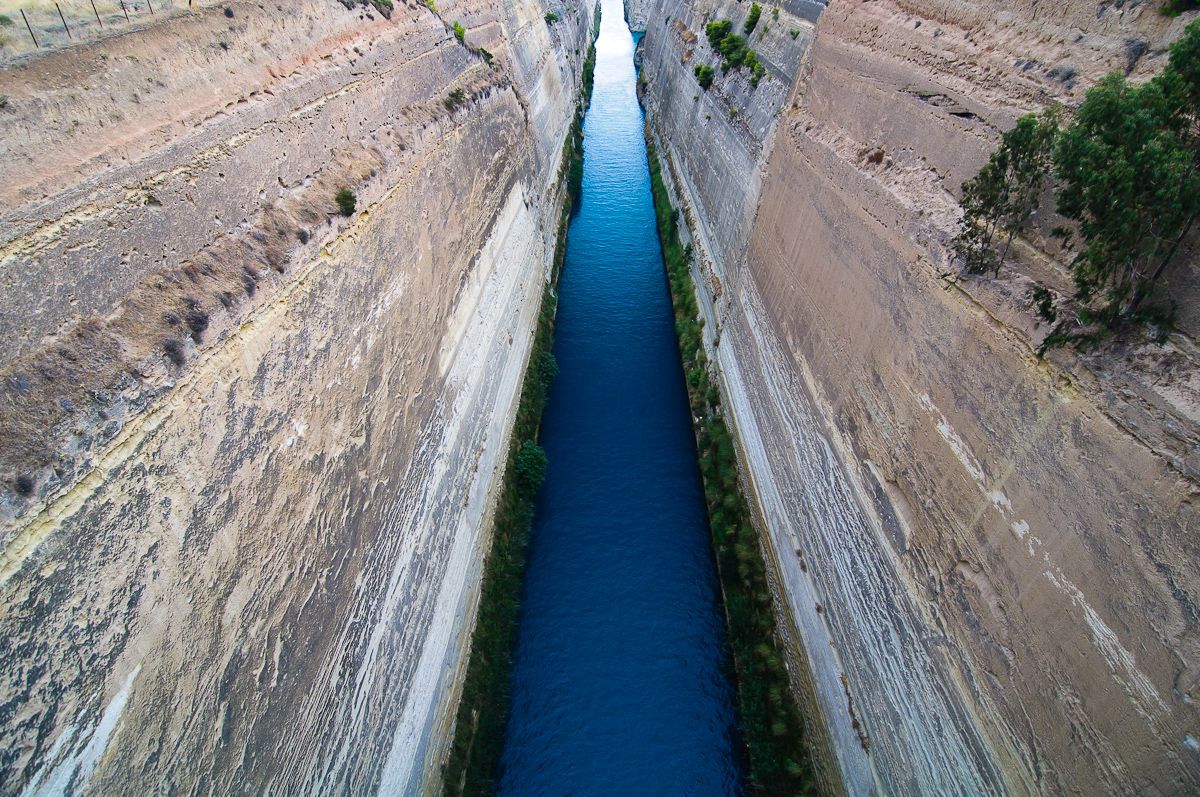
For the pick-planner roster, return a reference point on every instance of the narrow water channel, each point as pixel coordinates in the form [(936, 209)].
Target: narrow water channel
[(620, 682)]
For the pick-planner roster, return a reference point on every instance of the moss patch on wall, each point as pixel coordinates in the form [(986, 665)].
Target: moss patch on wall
[(768, 715)]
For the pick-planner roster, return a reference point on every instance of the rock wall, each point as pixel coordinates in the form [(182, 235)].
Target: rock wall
[(987, 558), (251, 445)]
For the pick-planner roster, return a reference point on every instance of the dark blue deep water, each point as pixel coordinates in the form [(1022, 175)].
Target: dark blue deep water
[(620, 682)]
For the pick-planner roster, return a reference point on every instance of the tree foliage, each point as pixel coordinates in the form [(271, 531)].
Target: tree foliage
[(730, 45), (752, 18), (1000, 199), (1127, 168), (346, 201)]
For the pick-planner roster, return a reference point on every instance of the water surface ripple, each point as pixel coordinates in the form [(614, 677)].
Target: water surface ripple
[(620, 680)]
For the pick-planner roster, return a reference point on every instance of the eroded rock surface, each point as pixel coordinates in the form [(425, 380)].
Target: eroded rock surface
[(250, 445), (989, 559)]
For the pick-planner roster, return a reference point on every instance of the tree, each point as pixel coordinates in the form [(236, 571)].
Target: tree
[(531, 467), (1129, 172), (999, 200), (1127, 168), (752, 18)]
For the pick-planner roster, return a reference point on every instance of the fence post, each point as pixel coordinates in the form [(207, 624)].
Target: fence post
[(64, 19), (101, 24), (149, 6), (125, 10), (30, 29)]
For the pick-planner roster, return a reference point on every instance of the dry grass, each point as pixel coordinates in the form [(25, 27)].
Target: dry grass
[(55, 403)]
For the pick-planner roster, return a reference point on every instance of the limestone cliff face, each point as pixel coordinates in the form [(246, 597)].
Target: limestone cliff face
[(989, 560), (249, 445)]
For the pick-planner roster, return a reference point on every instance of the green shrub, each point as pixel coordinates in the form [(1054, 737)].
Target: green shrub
[(793, 33), (752, 18), (431, 5), (730, 45), (589, 74), (704, 75), (5, 20), (346, 201), (1000, 199), (530, 467), (1173, 8), (460, 32), (757, 70), (454, 99), (551, 17), (716, 31)]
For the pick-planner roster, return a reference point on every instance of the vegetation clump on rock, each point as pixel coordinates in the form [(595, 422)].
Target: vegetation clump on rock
[(346, 201), (752, 18), (733, 49), (1126, 169), (456, 98), (1173, 8)]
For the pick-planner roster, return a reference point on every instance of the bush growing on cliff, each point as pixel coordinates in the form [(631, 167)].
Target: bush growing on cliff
[(551, 17), (174, 350), (346, 201), (1000, 199), (704, 75), (716, 31), (460, 32), (1128, 175), (730, 45), (531, 467), (589, 74), (454, 99), (757, 70), (752, 18), (1173, 8)]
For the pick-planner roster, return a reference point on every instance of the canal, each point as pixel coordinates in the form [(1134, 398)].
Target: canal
[(621, 672)]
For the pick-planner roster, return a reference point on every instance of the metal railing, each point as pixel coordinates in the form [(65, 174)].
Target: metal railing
[(29, 26)]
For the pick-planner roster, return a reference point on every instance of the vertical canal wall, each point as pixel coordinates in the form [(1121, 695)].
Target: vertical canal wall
[(987, 556), (250, 446)]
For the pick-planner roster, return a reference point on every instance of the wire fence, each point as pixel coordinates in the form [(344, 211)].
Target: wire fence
[(33, 25)]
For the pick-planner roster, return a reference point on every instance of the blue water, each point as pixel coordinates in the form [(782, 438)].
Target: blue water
[(620, 680)]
